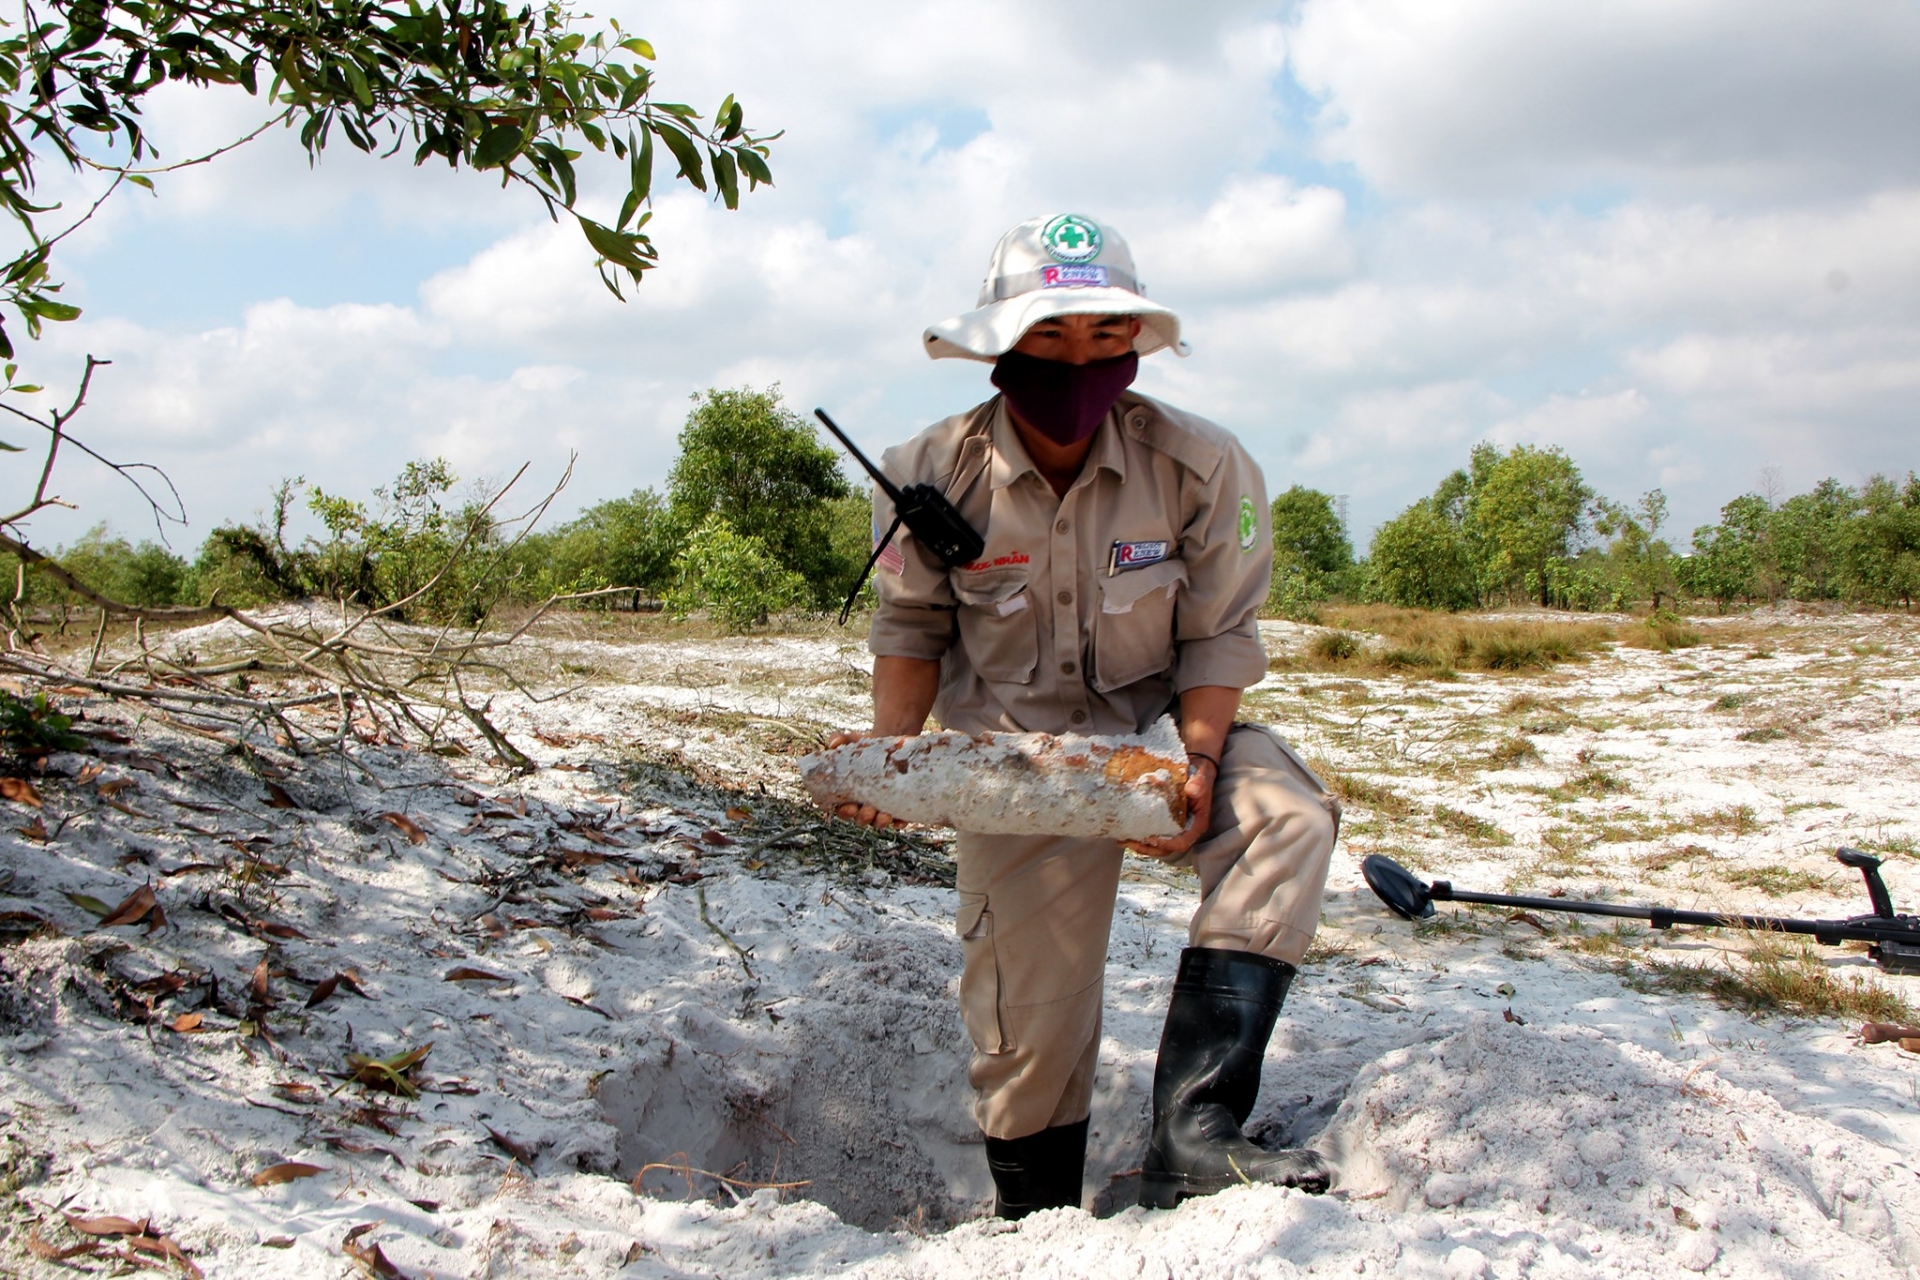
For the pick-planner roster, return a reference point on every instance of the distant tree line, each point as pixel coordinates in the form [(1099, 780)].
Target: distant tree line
[(1523, 526), (756, 517)]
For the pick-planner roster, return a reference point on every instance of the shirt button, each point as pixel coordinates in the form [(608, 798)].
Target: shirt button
[(1060, 527), (1066, 597), (1078, 717), (1066, 668)]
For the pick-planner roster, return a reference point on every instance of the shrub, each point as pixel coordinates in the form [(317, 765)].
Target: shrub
[(1335, 646), (732, 576)]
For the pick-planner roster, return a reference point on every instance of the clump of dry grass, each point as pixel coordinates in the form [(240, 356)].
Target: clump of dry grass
[(1335, 647), (1663, 632), (1436, 644), (1590, 783), (1729, 819), (1513, 753), (1462, 823), (1783, 975), (1666, 858), (1774, 881), (1368, 795)]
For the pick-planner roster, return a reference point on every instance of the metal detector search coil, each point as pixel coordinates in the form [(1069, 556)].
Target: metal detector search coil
[(1895, 938)]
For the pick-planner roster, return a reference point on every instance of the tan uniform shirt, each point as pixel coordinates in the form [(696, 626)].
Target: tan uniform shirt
[(1086, 613)]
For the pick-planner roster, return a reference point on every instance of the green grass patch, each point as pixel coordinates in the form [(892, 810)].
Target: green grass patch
[(1780, 976)]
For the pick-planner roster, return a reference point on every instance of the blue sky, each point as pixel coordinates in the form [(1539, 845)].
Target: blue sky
[(1679, 238)]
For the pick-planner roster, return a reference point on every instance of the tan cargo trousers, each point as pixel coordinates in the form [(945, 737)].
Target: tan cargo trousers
[(1035, 912)]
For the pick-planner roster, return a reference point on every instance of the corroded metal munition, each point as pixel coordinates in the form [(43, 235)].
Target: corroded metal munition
[(1121, 787)]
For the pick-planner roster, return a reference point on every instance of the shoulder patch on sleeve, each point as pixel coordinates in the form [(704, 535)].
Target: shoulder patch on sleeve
[(1249, 523)]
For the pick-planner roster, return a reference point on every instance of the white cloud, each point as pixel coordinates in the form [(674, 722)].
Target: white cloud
[(1748, 288), (1524, 98)]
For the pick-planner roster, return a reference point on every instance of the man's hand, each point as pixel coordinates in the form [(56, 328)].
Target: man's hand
[(864, 814), (903, 693), (1201, 773)]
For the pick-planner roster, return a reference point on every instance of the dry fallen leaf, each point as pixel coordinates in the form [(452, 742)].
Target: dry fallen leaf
[(277, 797), (406, 826), (35, 831), (738, 815), (716, 838), (371, 1261), (132, 909), (519, 1151), (464, 974), (89, 773), (257, 984), (106, 1226), (187, 1022), (274, 1175), (19, 789), (114, 786)]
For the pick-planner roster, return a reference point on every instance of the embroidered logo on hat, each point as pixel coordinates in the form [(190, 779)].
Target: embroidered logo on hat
[(1071, 238)]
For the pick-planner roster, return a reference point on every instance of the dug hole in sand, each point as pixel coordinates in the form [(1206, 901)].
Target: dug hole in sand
[(633, 958)]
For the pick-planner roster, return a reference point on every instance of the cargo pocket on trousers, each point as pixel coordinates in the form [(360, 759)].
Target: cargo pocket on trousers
[(980, 979)]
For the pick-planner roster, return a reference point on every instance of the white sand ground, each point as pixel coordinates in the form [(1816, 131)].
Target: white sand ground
[(1601, 1130)]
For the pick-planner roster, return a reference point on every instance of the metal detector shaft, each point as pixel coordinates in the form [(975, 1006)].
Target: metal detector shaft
[(1827, 931)]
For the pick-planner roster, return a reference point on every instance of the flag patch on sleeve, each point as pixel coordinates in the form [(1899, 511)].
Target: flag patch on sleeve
[(1136, 555), (890, 558)]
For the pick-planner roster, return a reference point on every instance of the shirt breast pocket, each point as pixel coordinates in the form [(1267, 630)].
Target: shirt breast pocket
[(1133, 635), (998, 628)]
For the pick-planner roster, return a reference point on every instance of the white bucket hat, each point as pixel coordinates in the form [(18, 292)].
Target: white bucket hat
[(1065, 265)]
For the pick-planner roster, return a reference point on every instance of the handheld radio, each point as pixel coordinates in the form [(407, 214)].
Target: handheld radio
[(934, 522)]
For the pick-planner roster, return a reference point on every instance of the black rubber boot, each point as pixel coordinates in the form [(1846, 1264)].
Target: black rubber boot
[(1040, 1171), (1224, 1007)]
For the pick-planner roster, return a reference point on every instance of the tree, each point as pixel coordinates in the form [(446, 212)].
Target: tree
[(1727, 558), (1420, 560), (747, 458), (623, 542), (1882, 552), (1307, 532), (520, 92), (1810, 537), (1526, 511), (1642, 563), (732, 577)]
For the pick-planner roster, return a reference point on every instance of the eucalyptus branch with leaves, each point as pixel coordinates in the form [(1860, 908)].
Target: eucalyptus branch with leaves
[(518, 91)]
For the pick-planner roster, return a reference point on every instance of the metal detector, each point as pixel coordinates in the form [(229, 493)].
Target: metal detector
[(1895, 938)]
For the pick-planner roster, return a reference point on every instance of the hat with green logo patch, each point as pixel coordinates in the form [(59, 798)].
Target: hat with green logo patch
[(1063, 265)]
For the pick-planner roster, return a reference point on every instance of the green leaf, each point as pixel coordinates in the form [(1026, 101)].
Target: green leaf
[(642, 167), (755, 168), (638, 47), (497, 145), (357, 79), (140, 180), (727, 178), (628, 207), (87, 902), (11, 448), (614, 246), (46, 309), (682, 147)]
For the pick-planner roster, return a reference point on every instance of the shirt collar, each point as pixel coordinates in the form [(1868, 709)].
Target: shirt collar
[(1011, 460)]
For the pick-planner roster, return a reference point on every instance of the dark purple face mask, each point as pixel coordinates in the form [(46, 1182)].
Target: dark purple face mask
[(1065, 402)]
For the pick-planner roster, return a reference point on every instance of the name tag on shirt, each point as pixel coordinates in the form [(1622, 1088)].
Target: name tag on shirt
[(1136, 555)]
